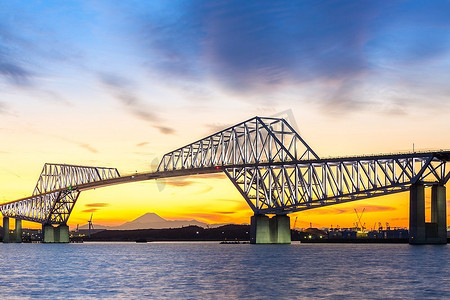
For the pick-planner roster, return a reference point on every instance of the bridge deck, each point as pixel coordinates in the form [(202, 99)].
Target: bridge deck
[(442, 155)]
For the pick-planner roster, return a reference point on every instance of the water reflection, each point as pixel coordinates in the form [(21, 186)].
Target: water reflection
[(211, 270)]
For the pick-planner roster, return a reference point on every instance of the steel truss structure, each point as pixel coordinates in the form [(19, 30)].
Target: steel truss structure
[(277, 172), (272, 167), (288, 187), (55, 193), (258, 140)]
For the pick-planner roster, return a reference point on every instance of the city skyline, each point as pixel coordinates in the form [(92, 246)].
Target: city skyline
[(119, 85)]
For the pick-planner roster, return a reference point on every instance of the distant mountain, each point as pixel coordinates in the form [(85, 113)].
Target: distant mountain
[(150, 221)]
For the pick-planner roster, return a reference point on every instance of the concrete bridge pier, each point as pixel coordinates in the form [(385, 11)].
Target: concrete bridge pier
[(18, 232), (59, 234), (421, 232), (6, 237), (265, 230), (48, 233), (439, 212), (62, 233), (16, 237)]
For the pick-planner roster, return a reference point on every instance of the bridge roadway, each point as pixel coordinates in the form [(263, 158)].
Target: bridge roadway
[(154, 175), (123, 179), (272, 167)]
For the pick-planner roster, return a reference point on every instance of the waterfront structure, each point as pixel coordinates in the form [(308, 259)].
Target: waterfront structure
[(275, 171)]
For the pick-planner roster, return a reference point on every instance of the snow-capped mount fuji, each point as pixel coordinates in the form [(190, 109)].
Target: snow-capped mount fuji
[(149, 221)]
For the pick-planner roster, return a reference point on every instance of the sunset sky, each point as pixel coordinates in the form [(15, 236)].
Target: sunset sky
[(120, 83)]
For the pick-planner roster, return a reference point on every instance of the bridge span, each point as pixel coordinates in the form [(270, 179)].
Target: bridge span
[(272, 167)]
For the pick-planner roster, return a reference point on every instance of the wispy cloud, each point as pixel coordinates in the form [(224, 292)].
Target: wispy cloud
[(15, 73), (3, 108), (123, 90), (97, 205), (225, 212), (87, 147), (82, 145), (351, 210), (22, 57), (91, 210), (94, 207), (211, 176), (178, 182), (12, 67)]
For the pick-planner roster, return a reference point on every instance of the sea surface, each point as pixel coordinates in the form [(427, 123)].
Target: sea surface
[(213, 271)]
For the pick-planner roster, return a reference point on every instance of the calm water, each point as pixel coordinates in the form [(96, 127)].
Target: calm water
[(214, 271)]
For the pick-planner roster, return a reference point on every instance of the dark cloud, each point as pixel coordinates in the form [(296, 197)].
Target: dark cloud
[(123, 90), (174, 35), (91, 210), (260, 46), (254, 43)]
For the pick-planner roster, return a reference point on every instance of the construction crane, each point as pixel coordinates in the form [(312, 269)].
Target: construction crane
[(295, 222), (359, 218)]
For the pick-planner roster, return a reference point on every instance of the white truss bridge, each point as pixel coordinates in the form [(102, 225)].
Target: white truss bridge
[(269, 163)]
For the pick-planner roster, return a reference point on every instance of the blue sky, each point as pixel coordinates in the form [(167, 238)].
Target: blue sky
[(119, 83), (253, 48)]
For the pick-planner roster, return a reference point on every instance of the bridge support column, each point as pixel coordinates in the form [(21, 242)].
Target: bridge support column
[(260, 230), (417, 214), (48, 232), (61, 234), (280, 229), (275, 230), (6, 238), (434, 232), (439, 212), (18, 232)]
